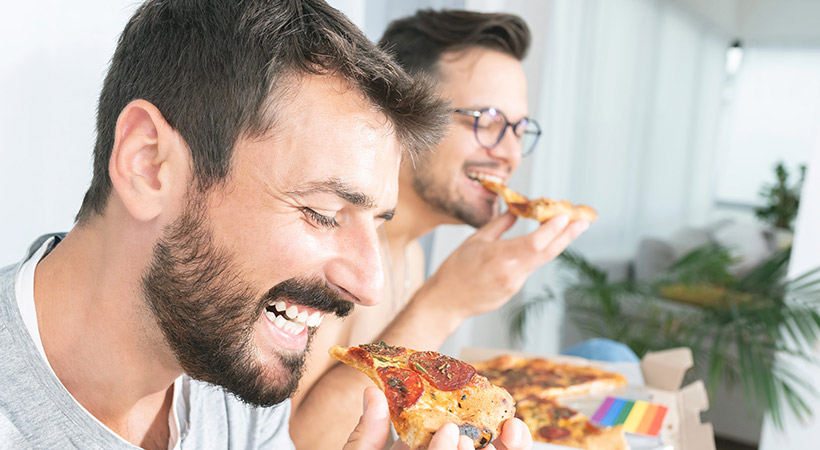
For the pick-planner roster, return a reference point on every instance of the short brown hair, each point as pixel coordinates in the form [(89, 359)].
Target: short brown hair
[(212, 68), (418, 41)]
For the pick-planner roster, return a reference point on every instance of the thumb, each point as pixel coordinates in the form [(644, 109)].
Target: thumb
[(374, 425), (493, 229)]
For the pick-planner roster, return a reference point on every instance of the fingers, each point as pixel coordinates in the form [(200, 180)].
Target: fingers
[(493, 229), (554, 243), (448, 438), (374, 425), (514, 436), (546, 242)]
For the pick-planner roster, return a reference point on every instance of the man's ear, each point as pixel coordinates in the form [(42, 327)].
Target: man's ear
[(149, 165)]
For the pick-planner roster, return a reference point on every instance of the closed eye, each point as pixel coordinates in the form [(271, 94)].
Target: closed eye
[(319, 219)]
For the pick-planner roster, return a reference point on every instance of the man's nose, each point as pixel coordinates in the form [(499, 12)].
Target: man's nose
[(358, 269), (508, 149)]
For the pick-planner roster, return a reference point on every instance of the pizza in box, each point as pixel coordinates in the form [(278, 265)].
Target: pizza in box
[(538, 385)]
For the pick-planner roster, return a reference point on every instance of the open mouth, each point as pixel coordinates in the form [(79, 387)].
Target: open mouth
[(478, 176), (290, 318)]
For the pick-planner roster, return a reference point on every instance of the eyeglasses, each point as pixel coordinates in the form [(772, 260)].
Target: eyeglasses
[(490, 125)]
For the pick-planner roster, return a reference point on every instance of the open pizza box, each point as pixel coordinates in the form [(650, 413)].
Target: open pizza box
[(657, 379)]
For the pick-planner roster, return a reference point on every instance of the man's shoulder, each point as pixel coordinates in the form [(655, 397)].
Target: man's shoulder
[(215, 418)]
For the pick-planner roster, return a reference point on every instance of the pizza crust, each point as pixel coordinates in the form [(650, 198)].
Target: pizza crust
[(540, 209)]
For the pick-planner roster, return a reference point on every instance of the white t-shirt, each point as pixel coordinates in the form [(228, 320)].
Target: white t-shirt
[(36, 410), (24, 291)]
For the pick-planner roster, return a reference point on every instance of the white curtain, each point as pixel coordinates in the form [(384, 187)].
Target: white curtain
[(629, 96)]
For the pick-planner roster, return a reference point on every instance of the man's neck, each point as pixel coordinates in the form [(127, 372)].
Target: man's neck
[(98, 333)]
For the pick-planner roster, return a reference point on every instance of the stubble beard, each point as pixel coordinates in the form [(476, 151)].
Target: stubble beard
[(436, 193)]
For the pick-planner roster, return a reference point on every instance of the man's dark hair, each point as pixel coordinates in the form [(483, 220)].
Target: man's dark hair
[(418, 41), (217, 71)]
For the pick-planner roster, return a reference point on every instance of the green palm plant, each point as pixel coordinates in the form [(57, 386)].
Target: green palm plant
[(782, 199), (736, 336)]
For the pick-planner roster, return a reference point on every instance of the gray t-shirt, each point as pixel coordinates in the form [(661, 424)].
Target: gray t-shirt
[(36, 411)]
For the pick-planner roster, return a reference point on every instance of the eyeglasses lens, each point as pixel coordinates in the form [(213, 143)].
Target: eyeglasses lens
[(489, 126), (528, 131)]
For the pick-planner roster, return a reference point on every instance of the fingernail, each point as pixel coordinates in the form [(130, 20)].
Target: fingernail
[(581, 226), (562, 221), (451, 433), (366, 403), (515, 435)]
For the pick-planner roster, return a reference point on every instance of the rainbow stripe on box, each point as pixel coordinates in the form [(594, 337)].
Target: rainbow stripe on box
[(637, 417)]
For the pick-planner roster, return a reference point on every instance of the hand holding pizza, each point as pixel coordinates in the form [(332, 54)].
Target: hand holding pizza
[(486, 270), (374, 426)]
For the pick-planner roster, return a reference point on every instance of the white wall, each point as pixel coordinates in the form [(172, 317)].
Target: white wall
[(772, 114), (53, 56)]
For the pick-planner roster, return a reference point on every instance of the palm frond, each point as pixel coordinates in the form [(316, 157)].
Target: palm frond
[(734, 339)]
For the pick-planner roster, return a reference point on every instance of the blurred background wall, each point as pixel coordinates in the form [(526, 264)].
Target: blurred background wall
[(643, 119)]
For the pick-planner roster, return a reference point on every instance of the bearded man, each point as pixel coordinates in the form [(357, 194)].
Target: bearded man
[(246, 154)]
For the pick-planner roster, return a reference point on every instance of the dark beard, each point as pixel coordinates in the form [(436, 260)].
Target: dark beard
[(207, 312), (451, 205)]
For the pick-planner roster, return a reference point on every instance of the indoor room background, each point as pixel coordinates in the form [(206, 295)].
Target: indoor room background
[(648, 114)]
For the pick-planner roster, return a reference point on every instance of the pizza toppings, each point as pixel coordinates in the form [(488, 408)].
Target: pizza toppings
[(362, 356), (382, 349), (402, 387), (538, 384), (553, 432), (442, 371)]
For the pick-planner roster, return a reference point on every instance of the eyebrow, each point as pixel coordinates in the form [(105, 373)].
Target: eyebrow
[(344, 191)]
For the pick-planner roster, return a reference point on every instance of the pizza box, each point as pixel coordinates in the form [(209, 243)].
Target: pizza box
[(657, 379)]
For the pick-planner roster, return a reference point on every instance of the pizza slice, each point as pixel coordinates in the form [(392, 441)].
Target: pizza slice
[(426, 390), (540, 377), (540, 209), (551, 422)]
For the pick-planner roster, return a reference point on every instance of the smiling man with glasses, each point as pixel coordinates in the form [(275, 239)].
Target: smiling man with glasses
[(475, 58)]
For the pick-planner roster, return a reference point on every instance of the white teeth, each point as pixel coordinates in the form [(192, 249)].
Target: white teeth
[(321, 317), (293, 328), (483, 176), (292, 320), (292, 312), (314, 319), (302, 317)]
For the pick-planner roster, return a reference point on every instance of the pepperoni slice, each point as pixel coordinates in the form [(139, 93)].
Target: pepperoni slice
[(382, 349), (442, 371), (553, 432), (361, 356), (402, 387)]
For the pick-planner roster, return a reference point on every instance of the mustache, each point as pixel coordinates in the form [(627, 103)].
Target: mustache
[(311, 293), (487, 164)]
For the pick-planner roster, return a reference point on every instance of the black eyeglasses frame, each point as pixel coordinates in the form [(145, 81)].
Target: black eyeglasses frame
[(476, 114)]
